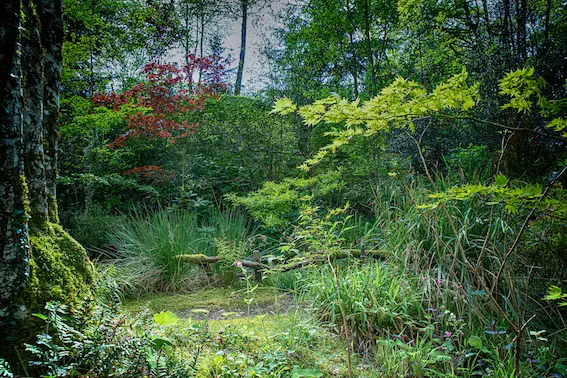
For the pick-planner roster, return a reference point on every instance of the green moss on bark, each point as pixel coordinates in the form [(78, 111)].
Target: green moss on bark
[(60, 269), (53, 211)]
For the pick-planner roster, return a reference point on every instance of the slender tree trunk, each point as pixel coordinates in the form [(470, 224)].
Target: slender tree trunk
[(506, 32), (354, 65), (187, 33), (487, 18), (201, 42), (238, 85), (546, 31), (91, 52), (352, 48), (367, 22), (51, 18), (520, 30), (32, 75), (522, 21), (14, 249), (469, 21), (196, 37)]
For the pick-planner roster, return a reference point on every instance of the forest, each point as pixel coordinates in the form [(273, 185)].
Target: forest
[(283, 188)]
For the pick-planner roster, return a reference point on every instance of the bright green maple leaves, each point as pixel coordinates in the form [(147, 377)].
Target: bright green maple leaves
[(397, 106), (403, 102), (526, 90), (284, 106)]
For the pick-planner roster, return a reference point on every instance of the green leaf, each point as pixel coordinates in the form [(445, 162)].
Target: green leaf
[(165, 318), (297, 372), (40, 316), (161, 342), (501, 180), (553, 293), (475, 342), (284, 106)]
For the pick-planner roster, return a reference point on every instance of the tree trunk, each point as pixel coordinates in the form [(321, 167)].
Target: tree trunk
[(237, 87), (32, 75), (201, 42), (14, 250), (51, 18), (487, 18), (352, 48), (354, 65), (506, 32), (40, 262), (367, 22)]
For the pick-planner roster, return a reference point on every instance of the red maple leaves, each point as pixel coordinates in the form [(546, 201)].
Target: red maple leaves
[(172, 94), (150, 173)]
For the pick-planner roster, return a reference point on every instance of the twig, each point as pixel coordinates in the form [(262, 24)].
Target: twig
[(525, 225)]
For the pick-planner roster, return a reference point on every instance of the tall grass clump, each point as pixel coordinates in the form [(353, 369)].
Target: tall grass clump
[(472, 261), (147, 246), (376, 298)]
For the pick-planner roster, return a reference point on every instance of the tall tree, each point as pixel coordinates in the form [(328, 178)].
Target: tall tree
[(244, 7), (28, 128), (243, 30), (14, 252)]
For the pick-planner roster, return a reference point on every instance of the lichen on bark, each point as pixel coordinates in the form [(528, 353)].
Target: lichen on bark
[(39, 261)]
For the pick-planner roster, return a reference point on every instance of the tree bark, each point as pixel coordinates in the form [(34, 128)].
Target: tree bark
[(51, 18), (238, 85), (32, 75), (29, 100), (201, 42), (487, 18), (352, 48), (14, 249), (506, 32)]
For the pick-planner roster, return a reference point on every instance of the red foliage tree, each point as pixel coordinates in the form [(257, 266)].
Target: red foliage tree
[(172, 94)]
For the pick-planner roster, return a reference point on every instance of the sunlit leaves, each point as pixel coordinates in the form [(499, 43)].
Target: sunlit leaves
[(284, 106), (165, 318), (501, 192), (554, 293), (522, 86), (397, 106), (560, 125), (275, 202), (500, 180)]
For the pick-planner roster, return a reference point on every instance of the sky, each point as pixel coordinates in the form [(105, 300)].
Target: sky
[(261, 26)]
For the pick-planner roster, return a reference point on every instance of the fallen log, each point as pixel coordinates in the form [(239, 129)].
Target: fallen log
[(202, 259), (198, 258)]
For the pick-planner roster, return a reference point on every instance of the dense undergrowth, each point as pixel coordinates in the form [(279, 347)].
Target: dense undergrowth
[(412, 224), (407, 305)]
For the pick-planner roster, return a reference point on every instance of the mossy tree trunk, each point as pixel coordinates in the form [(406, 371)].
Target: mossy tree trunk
[(51, 18), (14, 254), (32, 76), (39, 262)]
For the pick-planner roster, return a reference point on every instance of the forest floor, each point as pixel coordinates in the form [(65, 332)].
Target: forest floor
[(243, 333), (217, 303)]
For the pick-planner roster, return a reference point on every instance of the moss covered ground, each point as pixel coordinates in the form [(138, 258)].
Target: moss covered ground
[(274, 338)]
